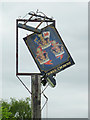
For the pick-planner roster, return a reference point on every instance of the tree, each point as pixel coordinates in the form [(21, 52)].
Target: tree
[(5, 112), (16, 109)]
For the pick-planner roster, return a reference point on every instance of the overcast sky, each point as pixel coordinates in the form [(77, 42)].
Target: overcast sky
[(69, 99)]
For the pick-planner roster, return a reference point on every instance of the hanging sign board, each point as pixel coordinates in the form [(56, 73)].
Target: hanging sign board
[(49, 50)]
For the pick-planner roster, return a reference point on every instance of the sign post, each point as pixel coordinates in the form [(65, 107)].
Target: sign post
[(36, 97), (35, 77), (49, 53)]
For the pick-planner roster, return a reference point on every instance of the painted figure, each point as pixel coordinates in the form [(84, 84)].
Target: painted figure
[(42, 56), (57, 49), (47, 37), (44, 40)]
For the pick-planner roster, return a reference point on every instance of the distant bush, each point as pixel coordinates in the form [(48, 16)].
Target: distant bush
[(15, 109)]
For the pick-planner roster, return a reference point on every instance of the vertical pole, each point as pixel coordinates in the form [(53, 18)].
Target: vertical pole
[(36, 97), (16, 47)]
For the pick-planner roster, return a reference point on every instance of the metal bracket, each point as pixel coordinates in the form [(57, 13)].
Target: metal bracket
[(24, 20)]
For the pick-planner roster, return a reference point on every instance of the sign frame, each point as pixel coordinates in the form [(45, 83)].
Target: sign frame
[(17, 61), (57, 68)]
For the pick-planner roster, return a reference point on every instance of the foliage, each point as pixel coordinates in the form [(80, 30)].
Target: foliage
[(16, 109)]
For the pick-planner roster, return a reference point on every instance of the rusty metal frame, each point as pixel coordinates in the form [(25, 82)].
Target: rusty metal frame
[(24, 20)]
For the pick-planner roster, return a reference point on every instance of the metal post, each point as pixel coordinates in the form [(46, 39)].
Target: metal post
[(36, 97), (16, 47)]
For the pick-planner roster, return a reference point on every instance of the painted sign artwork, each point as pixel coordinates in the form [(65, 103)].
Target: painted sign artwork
[(48, 50)]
